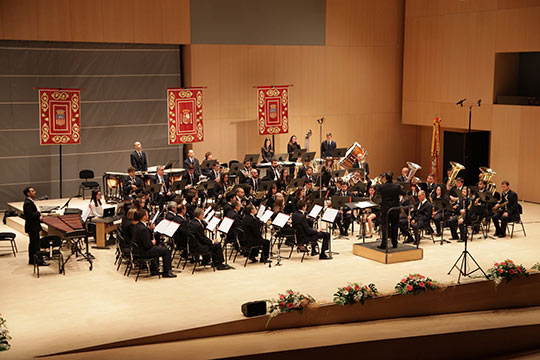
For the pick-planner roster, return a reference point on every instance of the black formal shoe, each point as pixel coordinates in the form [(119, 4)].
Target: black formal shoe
[(43, 263), (154, 273), (454, 238), (381, 247), (461, 240), (314, 252), (501, 235), (438, 234), (252, 260), (323, 256), (394, 246), (168, 275), (266, 261), (408, 241)]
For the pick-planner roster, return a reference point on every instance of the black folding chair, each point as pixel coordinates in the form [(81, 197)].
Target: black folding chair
[(9, 236), (87, 185), (49, 249), (194, 252), (140, 261), (244, 246)]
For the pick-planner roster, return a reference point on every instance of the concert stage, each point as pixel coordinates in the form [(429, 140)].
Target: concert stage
[(88, 308)]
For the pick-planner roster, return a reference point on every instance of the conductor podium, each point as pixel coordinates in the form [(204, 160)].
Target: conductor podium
[(402, 253)]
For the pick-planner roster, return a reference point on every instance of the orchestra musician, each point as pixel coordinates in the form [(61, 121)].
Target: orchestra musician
[(507, 209), (96, 208), (430, 186), (253, 235), (284, 179), (326, 172), (142, 236), (191, 203), (456, 190), (309, 175), (204, 244), (420, 216), (165, 194), (404, 175), (132, 184), (302, 170), (32, 224), (328, 146), (460, 220), (138, 158), (306, 234), (270, 197), (266, 151), (191, 160), (308, 188), (448, 173), (221, 186), (360, 163), (177, 213), (291, 146), (253, 180), (437, 213), (207, 156), (245, 172), (370, 213), (344, 218), (390, 193), (233, 212), (191, 176), (273, 173)]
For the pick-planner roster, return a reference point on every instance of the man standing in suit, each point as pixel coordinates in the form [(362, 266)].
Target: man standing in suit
[(138, 158), (306, 234), (191, 160), (204, 244), (508, 209), (164, 195), (328, 146), (420, 217), (253, 234), (32, 225), (132, 184), (390, 193)]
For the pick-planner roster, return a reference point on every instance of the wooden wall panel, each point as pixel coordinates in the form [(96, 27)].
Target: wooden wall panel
[(87, 20), (312, 81), (175, 21), (147, 21), (118, 21), (19, 19), (54, 20), (338, 22), (529, 154)]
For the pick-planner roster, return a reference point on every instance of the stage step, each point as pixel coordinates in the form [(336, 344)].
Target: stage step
[(17, 224), (400, 254)]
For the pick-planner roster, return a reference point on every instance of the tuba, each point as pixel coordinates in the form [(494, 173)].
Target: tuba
[(413, 168), (456, 168), (487, 176)]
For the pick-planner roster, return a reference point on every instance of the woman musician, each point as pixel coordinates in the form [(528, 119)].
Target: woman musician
[(266, 151), (284, 179), (292, 145), (438, 214), (271, 195), (326, 172), (370, 214)]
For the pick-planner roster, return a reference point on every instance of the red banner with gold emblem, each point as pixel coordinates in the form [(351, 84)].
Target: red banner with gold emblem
[(273, 109), (436, 146), (185, 114), (59, 116)]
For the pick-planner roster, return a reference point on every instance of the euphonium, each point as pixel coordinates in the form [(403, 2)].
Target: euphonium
[(456, 168), (487, 176), (413, 168)]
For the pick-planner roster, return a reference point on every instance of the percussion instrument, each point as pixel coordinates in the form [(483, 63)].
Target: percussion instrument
[(352, 156)]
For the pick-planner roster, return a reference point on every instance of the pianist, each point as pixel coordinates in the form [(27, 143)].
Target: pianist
[(96, 208)]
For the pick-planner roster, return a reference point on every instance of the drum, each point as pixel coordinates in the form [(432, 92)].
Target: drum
[(352, 155)]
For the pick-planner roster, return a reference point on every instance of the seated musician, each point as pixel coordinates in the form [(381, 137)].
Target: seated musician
[(165, 194), (240, 196), (221, 186), (253, 235), (361, 163), (278, 205), (284, 179), (309, 175), (370, 214), (456, 190), (266, 151), (273, 172), (448, 173), (302, 170), (414, 189), (344, 218), (306, 234), (462, 208), (270, 197), (177, 213), (404, 201), (308, 188), (326, 172), (233, 213), (96, 209), (132, 184), (420, 217), (507, 209), (328, 146), (204, 244), (482, 208), (191, 160), (438, 215), (142, 236), (192, 199), (253, 180), (357, 177), (245, 172), (404, 175), (292, 206), (430, 186), (191, 176)]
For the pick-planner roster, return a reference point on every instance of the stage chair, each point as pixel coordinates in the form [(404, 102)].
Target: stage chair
[(9, 236), (138, 261), (87, 185), (195, 253), (519, 222), (123, 253), (49, 249), (296, 244), (243, 244)]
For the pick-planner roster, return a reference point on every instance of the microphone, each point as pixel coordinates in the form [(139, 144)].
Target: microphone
[(321, 120), (479, 102), (460, 102)]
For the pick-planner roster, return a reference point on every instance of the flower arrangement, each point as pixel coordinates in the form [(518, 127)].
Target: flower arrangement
[(506, 270), (354, 293), (415, 284), (289, 301), (4, 335), (536, 266)]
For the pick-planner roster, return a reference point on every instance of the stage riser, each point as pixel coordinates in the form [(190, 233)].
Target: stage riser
[(475, 296), (391, 257)]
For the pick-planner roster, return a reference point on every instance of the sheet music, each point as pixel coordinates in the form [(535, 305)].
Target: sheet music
[(260, 213), (85, 213), (167, 227), (210, 215), (280, 220), (365, 204), (208, 209), (155, 217), (266, 216), (315, 211), (330, 215), (225, 225), (213, 223)]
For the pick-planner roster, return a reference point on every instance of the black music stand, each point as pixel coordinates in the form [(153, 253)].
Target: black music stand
[(445, 205), (282, 157), (487, 199), (179, 185), (359, 187), (253, 158), (339, 153), (170, 164), (338, 173), (297, 153), (296, 183), (234, 170), (266, 185)]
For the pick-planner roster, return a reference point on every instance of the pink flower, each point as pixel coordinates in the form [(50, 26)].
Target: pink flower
[(356, 287), (421, 276), (512, 272), (500, 271), (403, 281), (409, 287), (281, 297), (429, 283), (348, 288), (503, 263), (291, 305), (518, 269), (411, 277), (496, 264), (510, 261), (421, 284), (290, 292)]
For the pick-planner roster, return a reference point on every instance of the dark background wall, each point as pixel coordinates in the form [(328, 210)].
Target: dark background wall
[(257, 22), (124, 101)]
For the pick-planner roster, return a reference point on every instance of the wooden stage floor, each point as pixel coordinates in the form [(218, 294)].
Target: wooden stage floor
[(57, 313)]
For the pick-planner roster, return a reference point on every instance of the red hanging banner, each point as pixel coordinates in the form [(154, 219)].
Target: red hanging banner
[(185, 115), (436, 146), (273, 109), (59, 116)]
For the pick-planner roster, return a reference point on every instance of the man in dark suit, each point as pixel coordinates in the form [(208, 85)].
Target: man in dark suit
[(430, 186), (233, 212), (404, 175), (328, 146), (132, 185), (507, 209), (253, 234), (390, 193), (456, 190), (303, 169), (345, 217), (32, 224), (272, 174), (306, 234), (309, 175), (253, 181), (191, 160), (420, 217), (360, 163), (138, 158), (142, 235), (192, 178), (164, 195), (204, 244), (177, 213)]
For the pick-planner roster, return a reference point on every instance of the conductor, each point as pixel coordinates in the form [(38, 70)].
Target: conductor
[(390, 198)]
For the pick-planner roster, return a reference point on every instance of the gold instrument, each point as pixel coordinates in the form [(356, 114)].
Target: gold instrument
[(259, 194), (377, 181), (352, 155), (487, 175), (500, 208), (468, 208), (413, 168), (456, 168)]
